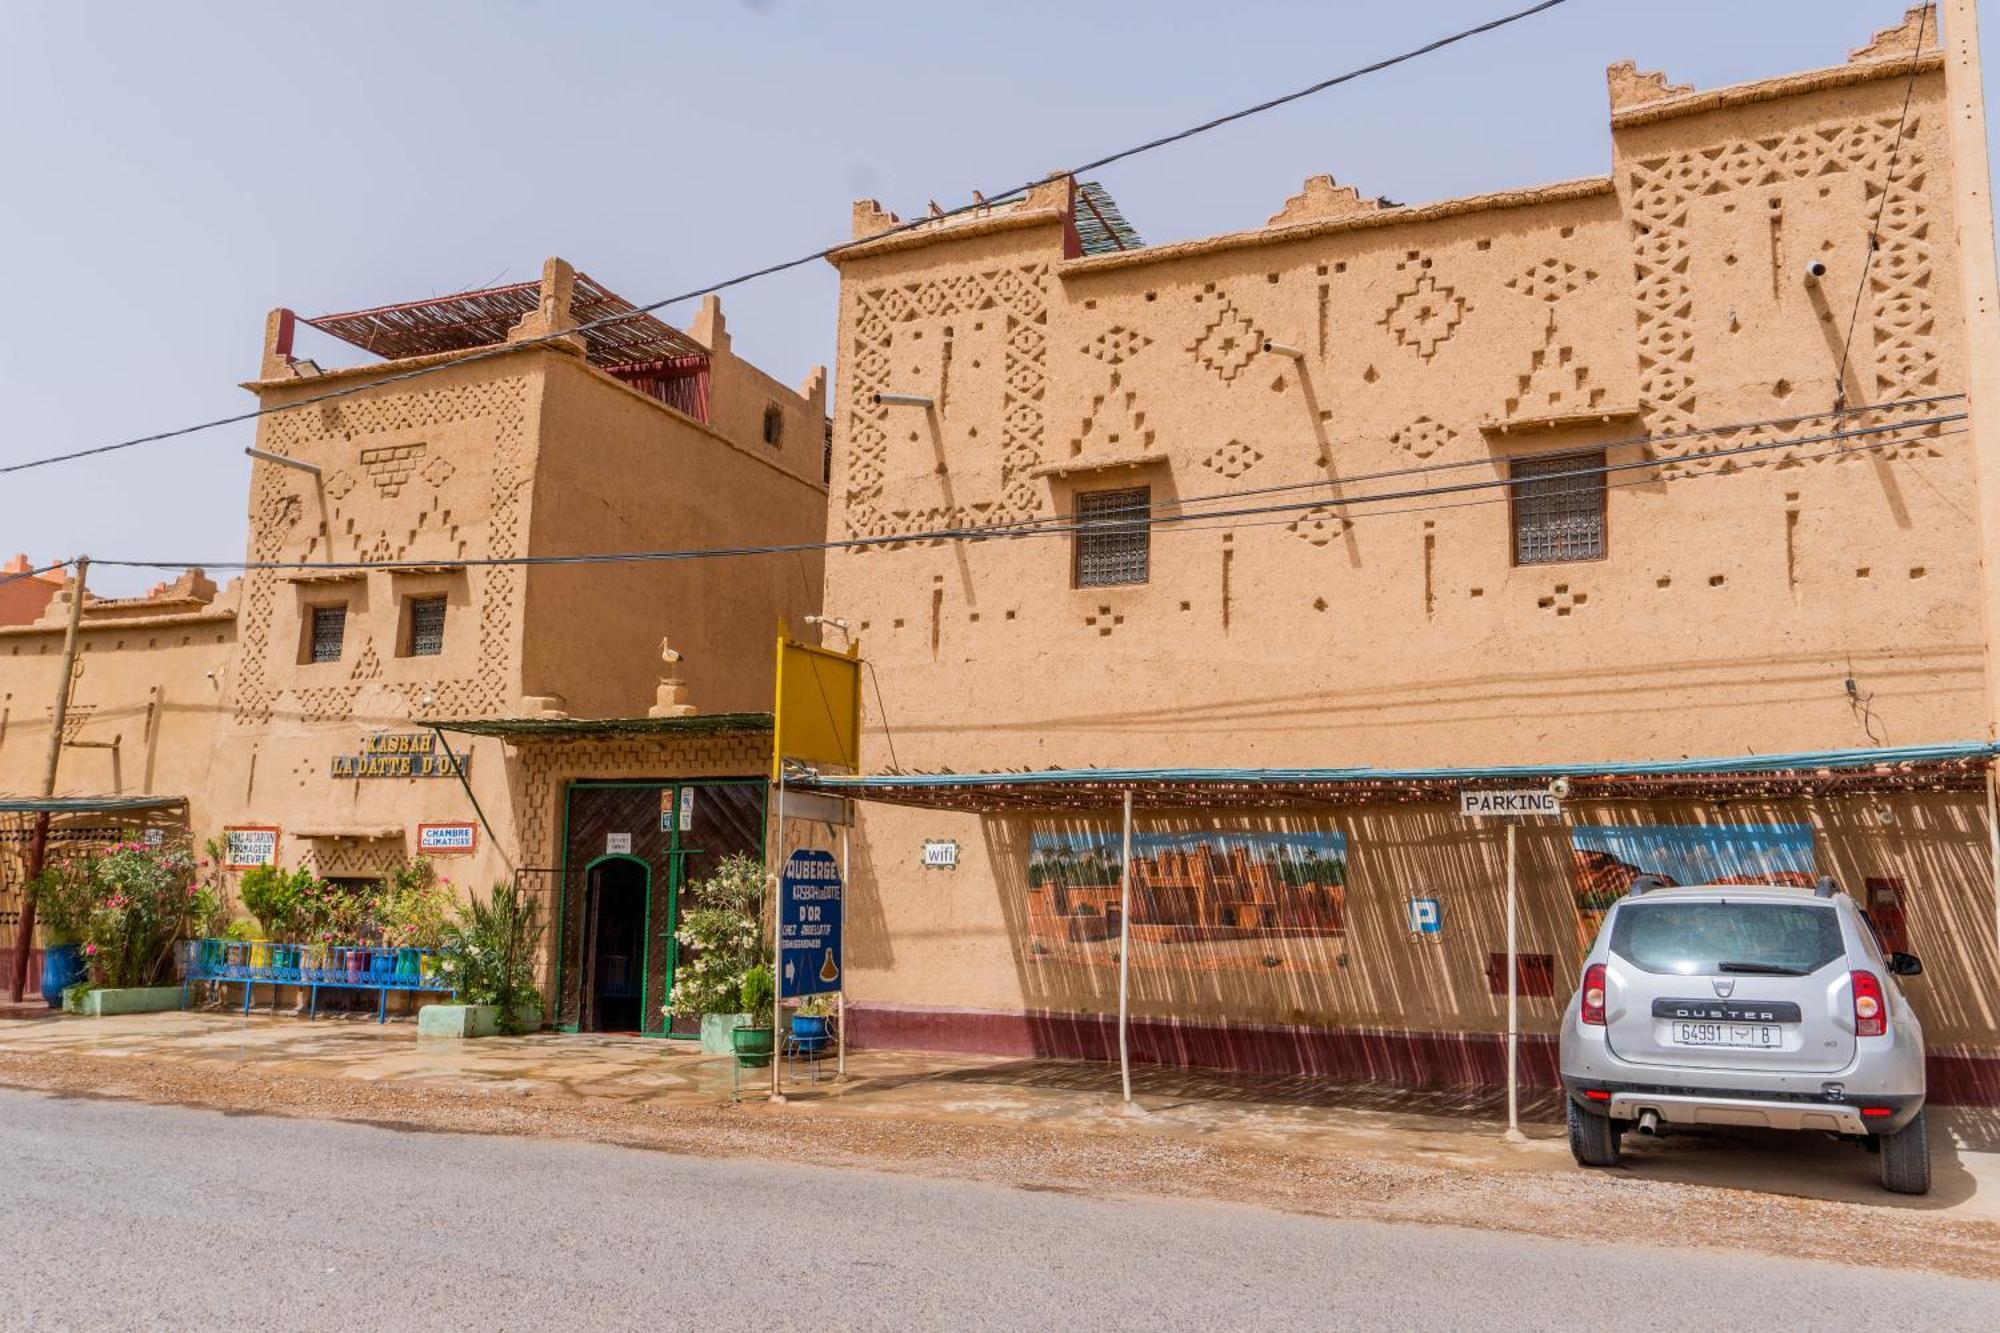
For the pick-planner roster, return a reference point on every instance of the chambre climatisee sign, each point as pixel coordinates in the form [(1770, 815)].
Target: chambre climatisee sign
[(401, 754)]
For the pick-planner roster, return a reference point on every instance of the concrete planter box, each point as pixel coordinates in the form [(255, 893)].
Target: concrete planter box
[(715, 1030), (471, 1020), (125, 1000)]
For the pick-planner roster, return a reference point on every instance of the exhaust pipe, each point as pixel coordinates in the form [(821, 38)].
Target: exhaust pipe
[(1649, 1123)]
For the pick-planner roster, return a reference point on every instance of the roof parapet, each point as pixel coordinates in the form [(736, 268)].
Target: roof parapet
[(1322, 199), (1901, 42), (1631, 86)]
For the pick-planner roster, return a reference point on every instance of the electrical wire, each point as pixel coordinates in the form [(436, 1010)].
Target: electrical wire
[(1881, 203), (1543, 455), (769, 270), (1016, 531)]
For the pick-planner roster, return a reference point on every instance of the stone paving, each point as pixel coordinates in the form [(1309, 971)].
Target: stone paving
[(1454, 1127)]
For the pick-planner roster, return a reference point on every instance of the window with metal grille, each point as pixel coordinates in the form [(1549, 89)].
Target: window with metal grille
[(426, 626), (1114, 536), (1558, 508), (329, 632)]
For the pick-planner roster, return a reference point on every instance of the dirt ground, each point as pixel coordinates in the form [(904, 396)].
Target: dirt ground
[(1386, 1154)]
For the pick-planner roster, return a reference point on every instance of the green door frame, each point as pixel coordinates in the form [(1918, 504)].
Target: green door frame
[(676, 869), (644, 928)]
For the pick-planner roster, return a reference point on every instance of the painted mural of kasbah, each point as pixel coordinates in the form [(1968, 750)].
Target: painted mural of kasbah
[(1608, 858), (1218, 898)]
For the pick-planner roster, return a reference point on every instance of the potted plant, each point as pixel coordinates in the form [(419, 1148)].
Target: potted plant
[(144, 901), (752, 1040), (719, 940), (809, 1019), (63, 898), (488, 957)]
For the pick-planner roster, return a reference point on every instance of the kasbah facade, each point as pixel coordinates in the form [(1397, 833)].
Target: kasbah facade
[(1033, 364)]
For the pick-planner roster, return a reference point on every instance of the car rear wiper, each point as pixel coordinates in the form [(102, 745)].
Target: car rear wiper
[(1762, 969)]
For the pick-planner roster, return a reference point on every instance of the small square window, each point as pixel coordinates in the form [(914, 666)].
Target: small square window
[(329, 632), (1558, 508), (774, 424), (1114, 537), (426, 627)]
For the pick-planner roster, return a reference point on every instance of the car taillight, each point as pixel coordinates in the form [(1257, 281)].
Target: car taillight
[(1591, 997), (1871, 1014)]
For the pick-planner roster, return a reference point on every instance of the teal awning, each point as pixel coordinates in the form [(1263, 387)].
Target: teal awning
[(1951, 765), (84, 805)]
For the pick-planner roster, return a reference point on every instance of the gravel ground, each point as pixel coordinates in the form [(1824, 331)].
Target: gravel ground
[(1585, 1206), (139, 1216)]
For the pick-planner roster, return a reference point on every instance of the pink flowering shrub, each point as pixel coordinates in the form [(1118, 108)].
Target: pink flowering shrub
[(129, 905)]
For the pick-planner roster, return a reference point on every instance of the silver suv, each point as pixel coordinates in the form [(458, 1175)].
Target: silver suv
[(1741, 1004)]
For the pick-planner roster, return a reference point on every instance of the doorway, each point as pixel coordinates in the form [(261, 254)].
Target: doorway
[(614, 943)]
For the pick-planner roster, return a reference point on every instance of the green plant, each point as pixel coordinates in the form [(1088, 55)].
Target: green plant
[(240, 929), (416, 907), (63, 894), (145, 899), (275, 898), (817, 1006), (488, 954), (757, 995), (720, 938)]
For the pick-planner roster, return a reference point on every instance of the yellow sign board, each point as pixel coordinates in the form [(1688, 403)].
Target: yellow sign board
[(818, 712)]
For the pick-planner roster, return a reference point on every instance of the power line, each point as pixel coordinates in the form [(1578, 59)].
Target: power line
[(1034, 528), (769, 270), (1542, 455), (1881, 203)]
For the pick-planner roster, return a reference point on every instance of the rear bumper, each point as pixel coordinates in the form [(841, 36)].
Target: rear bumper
[(1712, 1106)]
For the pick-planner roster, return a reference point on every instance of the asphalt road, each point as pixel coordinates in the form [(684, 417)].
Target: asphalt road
[(125, 1215)]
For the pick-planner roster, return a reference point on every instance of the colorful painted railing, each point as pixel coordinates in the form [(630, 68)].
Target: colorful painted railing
[(314, 966)]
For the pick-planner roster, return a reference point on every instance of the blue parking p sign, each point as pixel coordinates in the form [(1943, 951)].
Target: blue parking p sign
[(809, 902), (1426, 916)]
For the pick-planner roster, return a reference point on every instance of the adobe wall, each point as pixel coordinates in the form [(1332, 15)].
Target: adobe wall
[(1435, 343), (1730, 609), (621, 472)]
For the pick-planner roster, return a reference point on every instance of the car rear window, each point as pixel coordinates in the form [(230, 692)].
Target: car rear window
[(1699, 938)]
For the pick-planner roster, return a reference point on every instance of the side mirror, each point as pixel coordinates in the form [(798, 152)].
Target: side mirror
[(1905, 965)]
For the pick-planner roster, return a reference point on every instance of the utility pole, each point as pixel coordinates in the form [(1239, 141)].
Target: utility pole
[(38, 842)]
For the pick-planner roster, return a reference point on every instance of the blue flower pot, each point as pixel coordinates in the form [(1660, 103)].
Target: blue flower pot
[(62, 967), (807, 1027)]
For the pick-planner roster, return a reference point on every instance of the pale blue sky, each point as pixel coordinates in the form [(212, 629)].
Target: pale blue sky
[(175, 171)]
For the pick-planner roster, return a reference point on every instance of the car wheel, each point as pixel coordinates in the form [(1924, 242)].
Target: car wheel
[(1906, 1159), (1593, 1139)]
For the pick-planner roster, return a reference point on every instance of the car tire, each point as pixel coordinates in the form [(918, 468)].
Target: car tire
[(1906, 1158), (1593, 1139)]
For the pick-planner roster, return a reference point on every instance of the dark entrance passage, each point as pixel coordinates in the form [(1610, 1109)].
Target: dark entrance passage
[(614, 944), (632, 851)]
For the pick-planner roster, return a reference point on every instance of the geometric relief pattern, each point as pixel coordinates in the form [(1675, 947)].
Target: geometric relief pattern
[(1226, 344), (1551, 280), (1876, 437), (1116, 345), (1020, 295), (1319, 525), (1425, 315), (1663, 190), (1423, 437), (277, 533), (1232, 460)]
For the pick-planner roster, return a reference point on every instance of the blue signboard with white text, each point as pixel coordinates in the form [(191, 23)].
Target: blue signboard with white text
[(809, 901)]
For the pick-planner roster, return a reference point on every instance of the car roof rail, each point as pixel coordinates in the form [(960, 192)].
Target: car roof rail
[(1646, 884), (1826, 888)]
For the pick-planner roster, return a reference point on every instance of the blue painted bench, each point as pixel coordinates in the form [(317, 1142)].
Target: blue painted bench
[(313, 966)]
